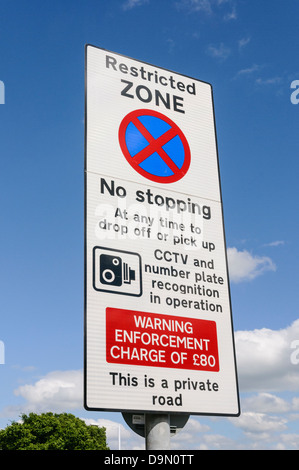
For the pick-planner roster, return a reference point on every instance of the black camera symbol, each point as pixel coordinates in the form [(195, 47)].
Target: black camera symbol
[(114, 271)]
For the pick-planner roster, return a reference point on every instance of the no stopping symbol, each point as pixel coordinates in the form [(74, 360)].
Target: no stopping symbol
[(154, 146)]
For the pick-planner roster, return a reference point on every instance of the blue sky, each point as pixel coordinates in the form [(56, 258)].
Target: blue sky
[(247, 49)]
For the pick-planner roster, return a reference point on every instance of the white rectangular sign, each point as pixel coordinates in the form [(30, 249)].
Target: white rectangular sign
[(158, 324)]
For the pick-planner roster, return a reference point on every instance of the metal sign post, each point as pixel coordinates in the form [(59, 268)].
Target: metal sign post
[(157, 432), (150, 425), (158, 323)]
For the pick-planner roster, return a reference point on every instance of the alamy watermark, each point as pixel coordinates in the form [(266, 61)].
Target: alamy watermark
[(295, 354), (2, 352), (2, 92), (295, 94)]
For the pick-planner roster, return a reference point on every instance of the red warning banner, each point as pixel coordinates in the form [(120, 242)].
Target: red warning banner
[(151, 339)]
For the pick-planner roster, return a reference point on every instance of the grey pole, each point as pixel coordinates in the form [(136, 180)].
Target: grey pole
[(157, 431)]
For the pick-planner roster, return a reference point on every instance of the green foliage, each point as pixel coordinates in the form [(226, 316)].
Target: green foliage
[(50, 431)]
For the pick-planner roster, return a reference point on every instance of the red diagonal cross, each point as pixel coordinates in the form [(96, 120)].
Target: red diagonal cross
[(155, 145)]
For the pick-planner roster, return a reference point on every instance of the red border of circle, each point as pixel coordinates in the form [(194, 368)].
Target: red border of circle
[(122, 142)]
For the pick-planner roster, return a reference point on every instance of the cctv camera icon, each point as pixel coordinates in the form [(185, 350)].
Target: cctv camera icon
[(114, 272), (111, 270), (117, 271)]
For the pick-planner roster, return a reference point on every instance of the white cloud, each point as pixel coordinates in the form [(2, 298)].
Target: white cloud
[(266, 403), (171, 45), (218, 441), (268, 81), (209, 7), (190, 434), (196, 5), (248, 70), (129, 4), (232, 15), (220, 52), (56, 391), (252, 423), (290, 439), (275, 243), (243, 266), (118, 436), (264, 359), (295, 404), (243, 42)]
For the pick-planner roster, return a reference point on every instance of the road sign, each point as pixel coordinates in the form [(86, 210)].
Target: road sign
[(158, 323), (154, 146)]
